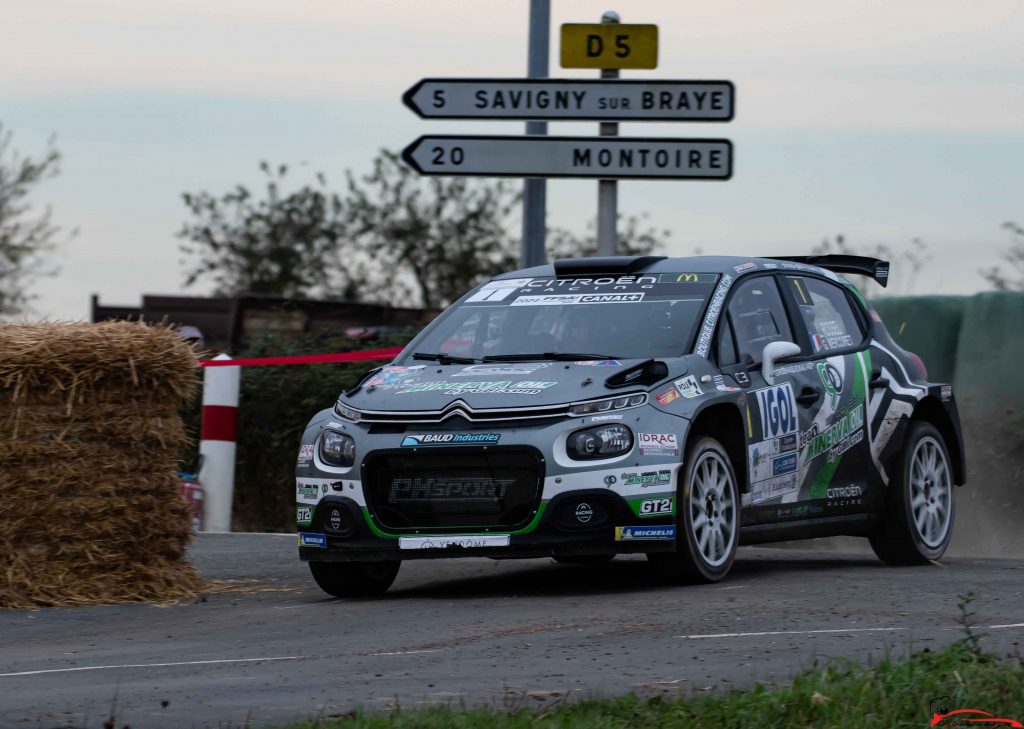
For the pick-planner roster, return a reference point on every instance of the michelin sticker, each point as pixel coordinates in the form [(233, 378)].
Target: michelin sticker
[(307, 539), (636, 533)]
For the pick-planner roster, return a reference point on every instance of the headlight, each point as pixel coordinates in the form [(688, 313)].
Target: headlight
[(337, 449), (602, 406), (347, 413), (604, 441)]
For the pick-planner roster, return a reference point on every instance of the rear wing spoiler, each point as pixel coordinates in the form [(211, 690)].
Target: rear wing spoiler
[(841, 263)]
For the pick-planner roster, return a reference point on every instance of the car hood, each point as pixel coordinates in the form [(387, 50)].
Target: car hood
[(490, 385)]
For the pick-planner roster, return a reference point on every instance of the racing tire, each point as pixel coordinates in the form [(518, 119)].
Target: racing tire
[(707, 517), (919, 507), (354, 579), (584, 558)]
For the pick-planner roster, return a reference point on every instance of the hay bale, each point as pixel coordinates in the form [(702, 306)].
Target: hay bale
[(90, 435)]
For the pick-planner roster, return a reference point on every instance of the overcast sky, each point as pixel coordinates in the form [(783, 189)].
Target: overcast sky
[(883, 121)]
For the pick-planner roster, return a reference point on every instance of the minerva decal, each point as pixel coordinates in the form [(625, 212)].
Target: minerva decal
[(832, 381), (496, 387), (500, 370), (707, 329), (647, 478), (838, 437), (443, 439)]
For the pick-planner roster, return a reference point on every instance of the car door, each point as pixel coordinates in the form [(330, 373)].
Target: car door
[(830, 383), (773, 416)]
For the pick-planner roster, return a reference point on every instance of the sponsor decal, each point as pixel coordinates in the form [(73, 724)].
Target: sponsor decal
[(442, 439), (654, 507), (704, 278), (844, 492), (744, 267), (312, 539), (784, 464), (669, 394), (793, 369), (647, 478), (719, 382), (334, 518), (501, 370), (599, 418), (454, 541), (563, 299), (946, 393), (584, 512), (391, 376), (303, 515), (412, 489), (498, 290), (772, 488), (496, 387), (688, 387), (307, 491), (305, 455), (707, 329), (631, 533), (574, 284), (610, 480), (599, 363), (778, 410), (839, 437), (658, 444)]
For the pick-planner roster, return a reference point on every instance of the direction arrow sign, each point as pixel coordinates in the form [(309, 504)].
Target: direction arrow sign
[(600, 157), (571, 99)]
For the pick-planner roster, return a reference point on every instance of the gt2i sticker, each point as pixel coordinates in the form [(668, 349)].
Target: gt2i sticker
[(303, 515), (658, 444), (631, 533), (443, 439), (688, 387), (654, 507), (778, 410)]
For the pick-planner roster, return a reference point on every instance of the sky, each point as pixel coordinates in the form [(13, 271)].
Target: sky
[(882, 121)]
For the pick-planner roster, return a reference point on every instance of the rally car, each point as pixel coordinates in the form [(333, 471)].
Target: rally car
[(676, 407)]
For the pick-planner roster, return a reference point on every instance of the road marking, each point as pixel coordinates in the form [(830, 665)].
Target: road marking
[(792, 632), (404, 653), (1008, 625), (153, 665)]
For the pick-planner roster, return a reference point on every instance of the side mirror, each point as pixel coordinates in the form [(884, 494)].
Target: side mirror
[(776, 352)]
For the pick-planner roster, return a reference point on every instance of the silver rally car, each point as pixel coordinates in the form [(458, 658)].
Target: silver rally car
[(676, 407)]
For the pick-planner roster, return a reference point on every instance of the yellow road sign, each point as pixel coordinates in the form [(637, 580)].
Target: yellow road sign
[(609, 45)]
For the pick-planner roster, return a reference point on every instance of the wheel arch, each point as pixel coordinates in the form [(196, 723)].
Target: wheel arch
[(724, 423), (931, 410)]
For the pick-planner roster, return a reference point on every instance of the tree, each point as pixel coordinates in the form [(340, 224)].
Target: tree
[(905, 263), (1014, 257), (289, 244), (428, 240), (26, 235)]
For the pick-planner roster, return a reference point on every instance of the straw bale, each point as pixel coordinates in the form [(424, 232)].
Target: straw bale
[(90, 510)]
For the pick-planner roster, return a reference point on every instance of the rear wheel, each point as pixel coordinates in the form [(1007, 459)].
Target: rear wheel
[(919, 507), (707, 517), (354, 579)]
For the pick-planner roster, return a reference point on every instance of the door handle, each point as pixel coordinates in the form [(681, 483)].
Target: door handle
[(877, 380), (809, 396)]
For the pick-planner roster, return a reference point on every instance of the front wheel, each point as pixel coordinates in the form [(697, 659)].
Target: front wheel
[(918, 519), (354, 579), (707, 517)]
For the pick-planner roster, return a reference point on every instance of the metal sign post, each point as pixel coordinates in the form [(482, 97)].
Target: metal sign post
[(608, 190), (535, 188)]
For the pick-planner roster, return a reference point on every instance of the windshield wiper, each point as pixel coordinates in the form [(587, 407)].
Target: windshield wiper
[(444, 358), (555, 356)]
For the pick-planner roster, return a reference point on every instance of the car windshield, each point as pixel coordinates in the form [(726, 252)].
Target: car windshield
[(649, 315)]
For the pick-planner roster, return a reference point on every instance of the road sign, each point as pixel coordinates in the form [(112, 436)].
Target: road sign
[(594, 157), (571, 99), (609, 45)]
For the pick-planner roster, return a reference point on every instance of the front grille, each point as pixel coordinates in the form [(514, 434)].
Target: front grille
[(454, 489), (460, 409)]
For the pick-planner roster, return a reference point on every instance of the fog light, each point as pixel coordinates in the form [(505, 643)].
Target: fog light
[(604, 441)]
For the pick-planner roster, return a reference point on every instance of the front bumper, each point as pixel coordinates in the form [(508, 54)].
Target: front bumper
[(555, 531)]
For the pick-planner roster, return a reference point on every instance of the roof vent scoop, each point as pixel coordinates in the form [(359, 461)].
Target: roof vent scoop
[(575, 267)]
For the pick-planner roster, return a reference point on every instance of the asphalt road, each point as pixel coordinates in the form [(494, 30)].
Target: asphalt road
[(272, 649)]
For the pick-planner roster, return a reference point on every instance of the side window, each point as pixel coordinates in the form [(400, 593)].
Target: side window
[(726, 346), (757, 317), (826, 314)]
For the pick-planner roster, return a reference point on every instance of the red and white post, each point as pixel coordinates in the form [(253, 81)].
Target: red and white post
[(217, 444)]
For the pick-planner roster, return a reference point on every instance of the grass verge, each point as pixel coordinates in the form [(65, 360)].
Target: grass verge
[(895, 693)]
